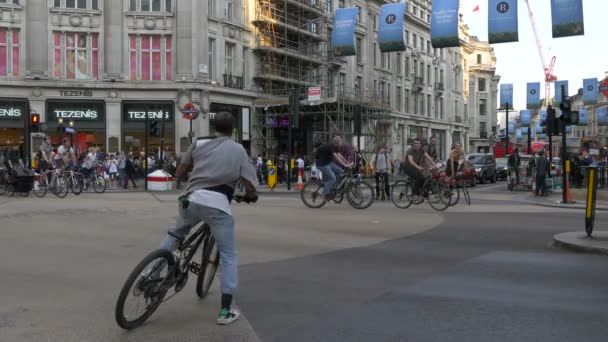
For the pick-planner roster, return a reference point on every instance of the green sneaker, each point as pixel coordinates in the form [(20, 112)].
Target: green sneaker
[(227, 316)]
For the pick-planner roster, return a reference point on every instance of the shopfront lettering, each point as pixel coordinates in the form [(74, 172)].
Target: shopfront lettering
[(76, 114), (10, 112), (85, 93), (141, 115)]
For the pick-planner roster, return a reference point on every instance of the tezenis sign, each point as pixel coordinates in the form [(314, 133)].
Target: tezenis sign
[(76, 114)]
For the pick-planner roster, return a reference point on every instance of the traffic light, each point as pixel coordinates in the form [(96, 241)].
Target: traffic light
[(154, 129), (569, 116), (34, 123), (551, 122)]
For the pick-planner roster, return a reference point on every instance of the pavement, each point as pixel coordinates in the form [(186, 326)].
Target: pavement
[(485, 272)]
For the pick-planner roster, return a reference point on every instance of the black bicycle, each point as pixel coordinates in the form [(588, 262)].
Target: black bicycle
[(359, 193), (162, 270), (433, 190)]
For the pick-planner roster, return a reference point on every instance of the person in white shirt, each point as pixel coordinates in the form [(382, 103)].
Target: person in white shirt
[(65, 154), (300, 166)]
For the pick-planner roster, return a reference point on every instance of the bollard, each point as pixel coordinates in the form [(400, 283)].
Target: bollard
[(591, 196)]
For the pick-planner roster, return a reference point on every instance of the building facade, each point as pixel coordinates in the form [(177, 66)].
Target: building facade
[(103, 66), (592, 132)]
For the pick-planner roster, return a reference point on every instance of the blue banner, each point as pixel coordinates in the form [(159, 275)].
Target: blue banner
[(543, 116), (343, 35), (524, 117), (590, 92), (506, 96), (538, 129), (567, 18), (444, 23), (390, 32), (533, 95), (518, 133), (601, 116), (583, 117), (558, 91), (511, 127), (532, 133), (502, 21), (542, 136)]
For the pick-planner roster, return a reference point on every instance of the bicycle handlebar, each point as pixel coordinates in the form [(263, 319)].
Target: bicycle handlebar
[(250, 197)]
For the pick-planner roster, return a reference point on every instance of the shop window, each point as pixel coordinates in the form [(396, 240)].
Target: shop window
[(14, 2), (9, 52), (75, 55), (150, 57), (150, 5)]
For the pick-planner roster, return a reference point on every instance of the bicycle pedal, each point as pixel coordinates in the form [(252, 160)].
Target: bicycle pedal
[(194, 267)]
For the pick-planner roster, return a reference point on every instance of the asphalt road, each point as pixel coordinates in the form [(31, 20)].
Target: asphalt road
[(479, 273)]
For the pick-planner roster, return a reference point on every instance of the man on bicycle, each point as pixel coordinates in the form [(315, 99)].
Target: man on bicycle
[(65, 155), (414, 161), (330, 161), (217, 164)]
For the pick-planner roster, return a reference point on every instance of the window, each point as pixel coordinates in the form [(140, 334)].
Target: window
[(358, 85), (415, 38), (77, 4), (228, 9), (375, 89), (375, 25), (482, 127), (441, 110), (398, 102), (407, 67), (428, 47), (407, 37), (407, 100), (330, 84), (150, 5), (482, 84), (415, 10), (150, 57), (342, 84), (244, 66), (428, 106), (211, 58), (478, 59), (388, 61), (341, 4), (9, 52), (313, 27), (388, 94), (422, 71), (359, 15), (441, 76), (399, 62), (428, 74), (75, 55), (359, 51), (212, 8), (428, 18), (483, 106), (14, 2), (375, 55), (229, 61), (422, 44), (330, 6), (415, 68)]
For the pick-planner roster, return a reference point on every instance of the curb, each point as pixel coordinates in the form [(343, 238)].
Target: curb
[(563, 206), (569, 241)]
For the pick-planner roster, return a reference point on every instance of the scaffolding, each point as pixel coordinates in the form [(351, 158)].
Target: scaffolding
[(295, 54)]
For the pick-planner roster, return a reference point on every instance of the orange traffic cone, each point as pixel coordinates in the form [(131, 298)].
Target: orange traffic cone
[(300, 184)]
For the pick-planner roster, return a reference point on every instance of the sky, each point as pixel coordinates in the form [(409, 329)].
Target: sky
[(578, 57)]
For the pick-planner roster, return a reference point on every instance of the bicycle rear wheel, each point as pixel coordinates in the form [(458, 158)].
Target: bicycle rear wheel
[(209, 266), (399, 194), (437, 197), (41, 188), (311, 194), (465, 192), (60, 187), (360, 195), (76, 184), (147, 282)]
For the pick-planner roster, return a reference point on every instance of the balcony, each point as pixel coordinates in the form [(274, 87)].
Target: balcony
[(483, 135), (235, 82), (439, 87)]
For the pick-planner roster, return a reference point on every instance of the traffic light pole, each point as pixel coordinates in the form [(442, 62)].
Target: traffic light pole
[(161, 153), (529, 140), (26, 135), (507, 127), (564, 150), (146, 139)]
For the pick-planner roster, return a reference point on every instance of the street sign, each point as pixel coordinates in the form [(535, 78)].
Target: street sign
[(314, 94), (189, 112)]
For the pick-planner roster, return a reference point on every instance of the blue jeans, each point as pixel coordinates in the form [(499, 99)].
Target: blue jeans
[(222, 227), (330, 173)]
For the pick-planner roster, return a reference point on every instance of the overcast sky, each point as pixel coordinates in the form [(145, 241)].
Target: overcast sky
[(578, 57)]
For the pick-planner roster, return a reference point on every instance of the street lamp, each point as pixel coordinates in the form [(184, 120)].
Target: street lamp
[(59, 130)]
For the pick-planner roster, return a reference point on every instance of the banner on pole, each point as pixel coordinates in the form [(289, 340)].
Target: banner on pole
[(390, 31), (502, 21), (590, 91), (567, 18), (524, 117), (343, 35), (558, 91), (444, 24), (533, 97), (506, 96), (583, 117)]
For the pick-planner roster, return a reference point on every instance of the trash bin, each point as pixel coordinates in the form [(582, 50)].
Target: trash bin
[(159, 180)]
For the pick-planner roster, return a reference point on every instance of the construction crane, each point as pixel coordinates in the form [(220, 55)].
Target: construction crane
[(547, 69)]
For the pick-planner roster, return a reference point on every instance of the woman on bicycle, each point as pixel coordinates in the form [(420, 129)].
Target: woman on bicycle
[(456, 155)]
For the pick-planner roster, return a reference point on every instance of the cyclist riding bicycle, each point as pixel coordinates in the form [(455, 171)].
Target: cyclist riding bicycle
[(414, 165), (330, 161), (65, 155), (217, 165)]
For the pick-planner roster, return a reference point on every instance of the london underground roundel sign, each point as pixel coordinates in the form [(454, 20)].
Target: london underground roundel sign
[(190, 112), (604, 87)]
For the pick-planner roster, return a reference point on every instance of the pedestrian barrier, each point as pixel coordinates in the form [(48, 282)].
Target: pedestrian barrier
[(272, 176)]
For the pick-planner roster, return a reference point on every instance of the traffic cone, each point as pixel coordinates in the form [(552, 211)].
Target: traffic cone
[(300, 184)]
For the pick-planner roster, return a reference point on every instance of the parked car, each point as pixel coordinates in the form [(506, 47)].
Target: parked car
[(462, 166), (485, 166), (501, 168)]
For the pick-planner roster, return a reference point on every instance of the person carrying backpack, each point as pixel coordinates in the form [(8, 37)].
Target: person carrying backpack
[(382, 166)]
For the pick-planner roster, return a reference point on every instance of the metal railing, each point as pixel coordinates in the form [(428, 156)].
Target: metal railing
[(232, 81)]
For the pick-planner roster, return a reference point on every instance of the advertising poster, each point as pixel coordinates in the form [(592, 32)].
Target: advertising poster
[(524, 117), (558, 91), (506, 96), (601, 116), (583, 117), (518, 133), (502, 21), (590, 91), (390, 32), (511, 127), (567, 18), (533, 97), (343, 35), (444, 24)]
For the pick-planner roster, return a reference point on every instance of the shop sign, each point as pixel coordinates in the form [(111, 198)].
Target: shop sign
[(76, 114), (10, 113), (190, 112), (152, 115), (75, 92)]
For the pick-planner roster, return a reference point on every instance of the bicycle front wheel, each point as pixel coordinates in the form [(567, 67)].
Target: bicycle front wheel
[(465, 192), (60, 187), (360, 195), (311, 194), (40, 186), (209, 266), (76, 184), (146, 283), (437, 198), (99, 184), (399, 194)]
